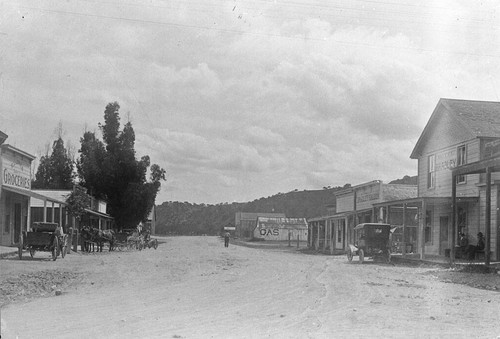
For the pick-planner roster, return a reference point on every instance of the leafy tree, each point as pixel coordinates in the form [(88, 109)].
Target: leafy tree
[(55, 171), (77, 202), (91, 165), (109, 170)]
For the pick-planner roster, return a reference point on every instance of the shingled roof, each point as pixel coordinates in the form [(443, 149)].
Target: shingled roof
[(479, 118)]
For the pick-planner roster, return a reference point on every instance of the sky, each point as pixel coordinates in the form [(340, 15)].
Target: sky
[(239, 100)]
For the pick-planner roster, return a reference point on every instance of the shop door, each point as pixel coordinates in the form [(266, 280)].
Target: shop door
[(443, 235), (340, 235), (17, 222)]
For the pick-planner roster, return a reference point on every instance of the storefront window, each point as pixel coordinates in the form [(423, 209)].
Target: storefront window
[(461, 160), (431, 171), (462, 221), (428, 227)]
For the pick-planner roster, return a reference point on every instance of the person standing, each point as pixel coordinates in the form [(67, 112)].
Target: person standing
[(226, 239), (478, 248)]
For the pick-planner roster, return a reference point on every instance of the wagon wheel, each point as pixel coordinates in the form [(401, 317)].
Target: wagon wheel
[(119, 247), (155, 243), (361, 255), (130, 244), (349, 255), (32, 252), (20, 248), (140, 245), (64, 246), (55, 249)]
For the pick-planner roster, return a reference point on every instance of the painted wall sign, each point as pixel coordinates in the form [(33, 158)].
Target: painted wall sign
[(492, 148), (446, 160), (269, 231), (367, 197), (12, 178)]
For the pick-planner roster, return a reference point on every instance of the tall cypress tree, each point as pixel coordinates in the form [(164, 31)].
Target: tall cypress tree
[(110, 170)]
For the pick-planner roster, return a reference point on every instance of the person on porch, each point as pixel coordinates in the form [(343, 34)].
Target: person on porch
[(463, 245), (472, 250)]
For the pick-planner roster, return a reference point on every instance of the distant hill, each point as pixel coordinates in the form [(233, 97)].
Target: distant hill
[(186, 218), (175, 217), (407, 180)]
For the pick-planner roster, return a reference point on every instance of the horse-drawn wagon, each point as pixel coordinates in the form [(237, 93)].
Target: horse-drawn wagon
[(45, 236), (148, 242), (134, 239)]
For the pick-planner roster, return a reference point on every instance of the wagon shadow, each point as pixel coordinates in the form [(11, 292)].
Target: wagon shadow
[(26, 258), (371, 262)]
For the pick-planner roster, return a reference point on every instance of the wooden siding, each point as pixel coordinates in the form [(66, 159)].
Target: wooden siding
[(446, 130), (494, 221), (367, 196), (445, 161), (345, 203)]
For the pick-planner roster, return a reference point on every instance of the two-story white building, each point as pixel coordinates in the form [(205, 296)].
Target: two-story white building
[(458, 133)]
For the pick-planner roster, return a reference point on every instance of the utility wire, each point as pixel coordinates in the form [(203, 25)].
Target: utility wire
[(240, 32)]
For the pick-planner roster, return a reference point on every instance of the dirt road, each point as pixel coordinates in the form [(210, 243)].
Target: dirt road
[(193, 287)]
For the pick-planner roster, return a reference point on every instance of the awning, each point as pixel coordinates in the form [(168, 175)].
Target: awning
[(32, 194), (428, 200), (99, 214)]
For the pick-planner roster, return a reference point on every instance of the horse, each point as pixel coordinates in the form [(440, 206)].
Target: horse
[(87, 238), (106, 236), (96, 236)]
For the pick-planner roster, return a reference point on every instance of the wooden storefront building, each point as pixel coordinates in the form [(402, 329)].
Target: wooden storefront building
[(355, 205), (452, 194)]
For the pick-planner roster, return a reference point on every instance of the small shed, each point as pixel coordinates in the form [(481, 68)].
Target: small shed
[(280, 229)]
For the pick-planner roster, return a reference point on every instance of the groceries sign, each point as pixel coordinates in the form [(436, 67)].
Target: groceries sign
[(16, 172), (12, 178)]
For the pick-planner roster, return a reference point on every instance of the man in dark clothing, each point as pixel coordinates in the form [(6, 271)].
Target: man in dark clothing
[(226, 239), (478, 248)]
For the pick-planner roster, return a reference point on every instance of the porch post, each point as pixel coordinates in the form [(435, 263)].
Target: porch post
[(487, 217), (327, 227), (53, 212), (404, 231), (422, 224), (309, 234), (316, 246), (28, 226), (60, 215), (45, 211), (332, 238), (453, 215)]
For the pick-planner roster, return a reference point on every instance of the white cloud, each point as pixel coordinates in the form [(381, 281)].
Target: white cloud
[(239, 104)]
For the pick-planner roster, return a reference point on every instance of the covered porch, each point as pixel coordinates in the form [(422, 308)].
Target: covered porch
[(423, 225), (490, 215)]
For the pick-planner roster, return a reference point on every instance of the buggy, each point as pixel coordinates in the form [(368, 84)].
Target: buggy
[(45, 236), (371, 240)]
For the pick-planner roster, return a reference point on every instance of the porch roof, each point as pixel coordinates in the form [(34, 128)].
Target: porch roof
[(428, 200), (329, 217), (478, 167), (99, 214), (32, 194)]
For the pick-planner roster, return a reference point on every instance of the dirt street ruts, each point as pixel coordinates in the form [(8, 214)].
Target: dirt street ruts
[(194, 287)]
